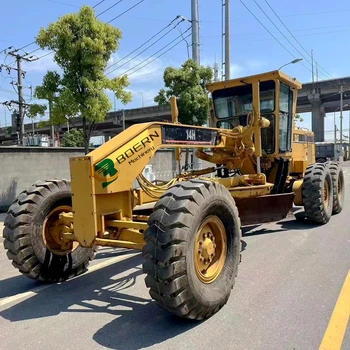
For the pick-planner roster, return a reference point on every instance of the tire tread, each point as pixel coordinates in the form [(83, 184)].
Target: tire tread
[(164, 252), (17, 233)]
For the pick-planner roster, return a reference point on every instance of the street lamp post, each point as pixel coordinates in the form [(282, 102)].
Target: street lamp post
[(335, 130), (291, 62), (142, 97)]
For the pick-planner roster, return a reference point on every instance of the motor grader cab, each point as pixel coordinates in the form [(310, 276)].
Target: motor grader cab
[(189, 229)]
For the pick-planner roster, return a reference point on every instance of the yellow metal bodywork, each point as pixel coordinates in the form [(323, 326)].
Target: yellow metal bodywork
[(102, 181), (297, 189), (304, 152), (103, 197)]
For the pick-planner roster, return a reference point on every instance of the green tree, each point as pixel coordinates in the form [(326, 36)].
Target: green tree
[(36, 109), (83, 45), (298, 118), (187, 84), (73, 138)]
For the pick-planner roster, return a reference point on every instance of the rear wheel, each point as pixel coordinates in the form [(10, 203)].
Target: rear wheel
[(32, 234), (318, 193), (193, 249), (338, 187)]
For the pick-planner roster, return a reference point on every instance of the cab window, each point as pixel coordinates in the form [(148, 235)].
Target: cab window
[(285, 124)]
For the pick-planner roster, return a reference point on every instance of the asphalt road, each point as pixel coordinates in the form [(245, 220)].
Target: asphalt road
[(288, 285)]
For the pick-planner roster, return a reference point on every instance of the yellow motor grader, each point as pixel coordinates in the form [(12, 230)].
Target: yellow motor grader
[(189, 229)]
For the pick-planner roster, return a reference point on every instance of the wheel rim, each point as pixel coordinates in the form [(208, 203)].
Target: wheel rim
[(210, 249), (52, 232), (326, 194)]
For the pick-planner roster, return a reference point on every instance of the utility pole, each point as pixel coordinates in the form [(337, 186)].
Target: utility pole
[(20, 76), (335, 138), (227, 41), (312, 68), (195, 51), (222, 39), (349, 138), (123, 118), (195, 31), (20, 98), (341, 123)]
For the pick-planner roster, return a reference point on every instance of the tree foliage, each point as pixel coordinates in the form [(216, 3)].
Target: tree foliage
[(298, 118), (187, 84), (83, 46), (36, 109), (47, 91), (73, 138)]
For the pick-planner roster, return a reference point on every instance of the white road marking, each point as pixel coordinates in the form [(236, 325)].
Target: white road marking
[(32, 293)]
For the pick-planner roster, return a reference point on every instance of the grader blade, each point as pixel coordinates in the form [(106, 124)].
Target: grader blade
[(264, 208)]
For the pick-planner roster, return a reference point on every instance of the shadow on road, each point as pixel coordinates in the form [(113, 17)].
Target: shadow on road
[(243, 245), (21, 284), (296, 221), (105, 291), (15, 285)]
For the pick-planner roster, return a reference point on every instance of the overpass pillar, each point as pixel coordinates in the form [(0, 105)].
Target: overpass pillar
[(318, 115)]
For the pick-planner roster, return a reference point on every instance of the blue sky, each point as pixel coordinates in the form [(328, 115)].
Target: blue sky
[(323, 28)]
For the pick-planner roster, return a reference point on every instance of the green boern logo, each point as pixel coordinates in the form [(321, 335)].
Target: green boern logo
[(105, 170)]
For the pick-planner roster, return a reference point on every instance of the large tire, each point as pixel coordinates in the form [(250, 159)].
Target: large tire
[(318, 193), (338, 187), (171, 263), (24, 237)]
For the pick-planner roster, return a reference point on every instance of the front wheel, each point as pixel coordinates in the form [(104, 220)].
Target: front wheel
[(193, 249), (318, 193), (338, 187), (32, 234)]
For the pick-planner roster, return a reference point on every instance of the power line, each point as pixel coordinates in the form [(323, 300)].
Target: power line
[(23, 47), (334, 84), (59, 2), (130, 69), (13, 92), (63, 3), (144, 42), (290, 15), (160, 54), (130, 8), (143, 45), (100, 2), (273, 23), (295, 30), (118, 2), (49, 53), (244, 19), (29, 53), (296, 39), (21, 102), (271, 33)]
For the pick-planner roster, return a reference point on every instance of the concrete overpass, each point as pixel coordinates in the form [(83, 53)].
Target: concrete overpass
[(318, 98), (323, 97), (112, 125)]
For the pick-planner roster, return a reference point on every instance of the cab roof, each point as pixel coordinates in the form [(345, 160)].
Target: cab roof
[(276, 74)]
